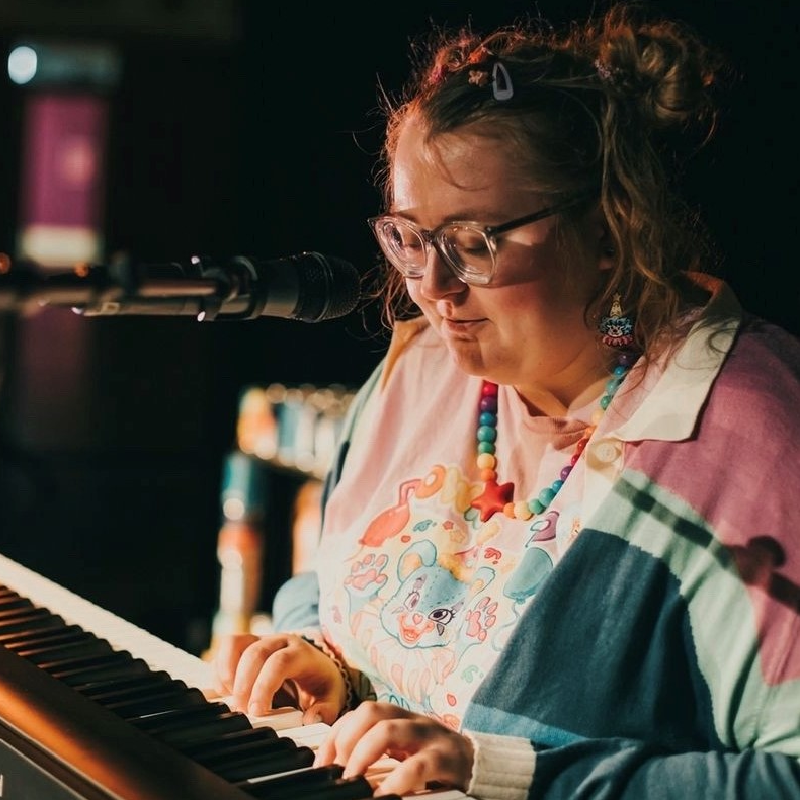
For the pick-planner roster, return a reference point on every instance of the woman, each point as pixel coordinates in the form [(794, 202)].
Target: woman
[(558, 556)]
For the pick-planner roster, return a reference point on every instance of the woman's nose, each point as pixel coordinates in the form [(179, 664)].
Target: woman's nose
[(439, 280)]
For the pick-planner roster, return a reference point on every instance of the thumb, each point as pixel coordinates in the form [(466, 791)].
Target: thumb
[(321, 712)]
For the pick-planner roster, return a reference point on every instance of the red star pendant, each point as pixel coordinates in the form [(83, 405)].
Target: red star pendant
[(492, 499)]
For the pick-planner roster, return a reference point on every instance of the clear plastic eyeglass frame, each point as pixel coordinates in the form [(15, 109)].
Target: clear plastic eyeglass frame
[(468, 248)]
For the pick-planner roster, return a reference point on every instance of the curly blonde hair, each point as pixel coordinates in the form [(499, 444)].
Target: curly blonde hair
[(610, 109)]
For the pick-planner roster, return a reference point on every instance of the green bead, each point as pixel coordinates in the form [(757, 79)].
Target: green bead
[(486, 433)]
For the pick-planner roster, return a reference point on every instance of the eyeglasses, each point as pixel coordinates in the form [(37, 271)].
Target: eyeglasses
[(469, 249)]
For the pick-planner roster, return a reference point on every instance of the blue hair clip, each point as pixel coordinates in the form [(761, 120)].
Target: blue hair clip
[(502, 86)]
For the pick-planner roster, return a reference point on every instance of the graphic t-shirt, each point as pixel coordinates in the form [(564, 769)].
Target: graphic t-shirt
[(417, 589)]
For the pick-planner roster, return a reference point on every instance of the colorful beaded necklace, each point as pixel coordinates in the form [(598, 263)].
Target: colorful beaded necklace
[(500, 497)]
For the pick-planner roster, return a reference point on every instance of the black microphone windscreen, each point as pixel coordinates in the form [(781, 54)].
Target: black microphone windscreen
[(328, 287)]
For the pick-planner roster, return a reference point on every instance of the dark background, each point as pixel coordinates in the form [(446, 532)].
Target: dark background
[(248, 127)]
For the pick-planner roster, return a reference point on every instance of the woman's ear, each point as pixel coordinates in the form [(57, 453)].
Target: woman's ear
[(604, 242), (608, 253)]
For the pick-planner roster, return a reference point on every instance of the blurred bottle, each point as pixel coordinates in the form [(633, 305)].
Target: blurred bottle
[(240, 544), (257, 423)]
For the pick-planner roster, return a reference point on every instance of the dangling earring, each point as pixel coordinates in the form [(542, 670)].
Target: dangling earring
[(617, 330)]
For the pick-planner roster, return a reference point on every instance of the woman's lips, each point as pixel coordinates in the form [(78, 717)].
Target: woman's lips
[(460, 326)]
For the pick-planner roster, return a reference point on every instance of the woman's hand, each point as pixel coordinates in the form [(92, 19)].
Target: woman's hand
[(255, 670), (429, 751)]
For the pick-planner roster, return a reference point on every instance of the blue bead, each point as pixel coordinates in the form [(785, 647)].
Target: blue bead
[(556, 485), (487, 418), (620, 370), (486, 433), (545, 496)]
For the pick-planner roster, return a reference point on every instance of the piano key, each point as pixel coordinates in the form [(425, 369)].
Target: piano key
[(179, 727), (310, 735), (14, 600), (81, 647), (219, 742), (29, 620), (242, 746), (10, 614), (61, 668), (178, 717), (131, 689), (264, 762), (45, 627), (278, 719), (332, 788), (177, 696), (299, 780), (48, 635), (150, 680), (179, 736), (121, 668)]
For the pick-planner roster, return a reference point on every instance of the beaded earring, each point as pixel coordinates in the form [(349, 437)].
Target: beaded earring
[(617, 329)]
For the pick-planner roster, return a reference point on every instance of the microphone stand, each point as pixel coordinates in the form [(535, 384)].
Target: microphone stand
[(122, 287)]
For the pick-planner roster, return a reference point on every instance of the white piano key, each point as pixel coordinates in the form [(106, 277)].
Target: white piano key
[(310, 735), (279, 719)]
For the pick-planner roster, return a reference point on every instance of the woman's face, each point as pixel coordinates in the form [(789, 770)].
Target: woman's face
[(528, 327)]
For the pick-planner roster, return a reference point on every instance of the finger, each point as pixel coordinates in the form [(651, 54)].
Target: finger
[(373, 745), (226, 659), (445, 759), (326, 750), (263, 669), (357, 728), (407, 777)]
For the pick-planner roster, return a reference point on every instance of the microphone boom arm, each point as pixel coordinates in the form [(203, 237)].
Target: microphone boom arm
[(307, 286)]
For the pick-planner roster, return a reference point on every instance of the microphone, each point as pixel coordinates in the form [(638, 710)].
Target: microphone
[(308, 286)]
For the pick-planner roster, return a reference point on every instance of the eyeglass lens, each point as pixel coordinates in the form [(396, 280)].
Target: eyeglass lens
[(466, 248)]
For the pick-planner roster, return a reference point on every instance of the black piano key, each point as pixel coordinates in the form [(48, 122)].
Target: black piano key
[(67, 666), (14, 610), (134, 688), (14, 600), (101, 688), (29, 620), (172, 698), (254, 765), (243, 748), (121, 665), (179, 737), (180, 726), (81, 647), (357, 788), (220, 741), (46, 635), (295, 783)]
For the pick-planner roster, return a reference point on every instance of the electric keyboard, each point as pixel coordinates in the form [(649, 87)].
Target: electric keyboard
[(93, 707)]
